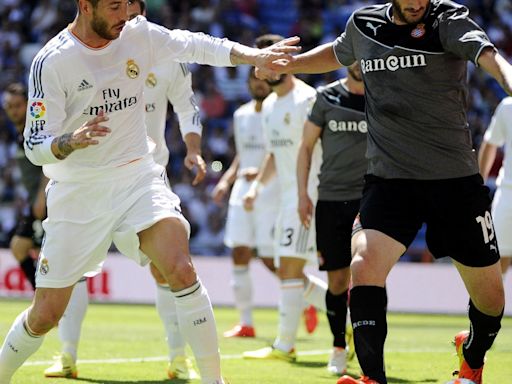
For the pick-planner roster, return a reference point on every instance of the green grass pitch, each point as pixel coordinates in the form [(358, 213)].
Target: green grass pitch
[(125, 344)]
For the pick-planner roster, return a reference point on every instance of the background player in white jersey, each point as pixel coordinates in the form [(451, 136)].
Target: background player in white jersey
[(499, 133), (248, 231), (284, 113), (168, 81), (85, 125), (337, 119)]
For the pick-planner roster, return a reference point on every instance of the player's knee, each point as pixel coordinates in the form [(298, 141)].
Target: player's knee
[(339, 283), (41, 321), (182, 274)]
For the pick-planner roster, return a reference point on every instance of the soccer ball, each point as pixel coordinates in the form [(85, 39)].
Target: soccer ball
[(460, 381)]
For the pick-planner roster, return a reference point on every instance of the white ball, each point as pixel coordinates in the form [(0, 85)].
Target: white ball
[(460, 381)]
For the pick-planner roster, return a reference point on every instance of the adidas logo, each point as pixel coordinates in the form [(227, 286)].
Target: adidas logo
[(84, 85)]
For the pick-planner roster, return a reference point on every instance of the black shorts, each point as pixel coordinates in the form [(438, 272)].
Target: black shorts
[(456, 213), (334, 221), (31, 228)]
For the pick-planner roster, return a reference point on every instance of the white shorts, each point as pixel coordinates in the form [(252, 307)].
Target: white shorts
[(253, 229), (292, 239), (85, 218), (502, 217)]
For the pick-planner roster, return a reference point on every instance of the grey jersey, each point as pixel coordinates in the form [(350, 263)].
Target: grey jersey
[(31, 174), (416, 89), (340, 114)]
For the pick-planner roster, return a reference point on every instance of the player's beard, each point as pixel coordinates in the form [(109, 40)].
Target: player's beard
[(400, 15), (101, 27)]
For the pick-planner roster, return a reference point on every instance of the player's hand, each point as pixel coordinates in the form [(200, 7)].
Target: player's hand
[(305, 210), (194, 161), (220, 191), (279, 52), (248, 200), (86, 134)]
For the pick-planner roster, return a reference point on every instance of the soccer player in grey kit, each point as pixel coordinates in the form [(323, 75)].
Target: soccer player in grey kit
[(422, 168), (338, 120)]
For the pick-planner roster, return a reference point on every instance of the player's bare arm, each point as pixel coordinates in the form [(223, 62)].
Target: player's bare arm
[(309, 138), (496, 66), (318, 60), (64, 145), (241, 54), (266, 173), (486, 156), (193, 159), (226, 181)]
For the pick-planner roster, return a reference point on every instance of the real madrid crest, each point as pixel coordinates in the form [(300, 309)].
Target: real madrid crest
[(419, 31), (44, 268), (287, 118), (151, 80), (132, 69)]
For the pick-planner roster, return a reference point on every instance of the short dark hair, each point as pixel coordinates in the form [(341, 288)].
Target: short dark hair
[(267, 40), (17, 89)]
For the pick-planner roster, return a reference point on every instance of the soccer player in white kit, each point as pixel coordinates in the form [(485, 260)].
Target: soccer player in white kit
[(246, 231), (85, 125), (284, 113), (499, 133), (168, 81)]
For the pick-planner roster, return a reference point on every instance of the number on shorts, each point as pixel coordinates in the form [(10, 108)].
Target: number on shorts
[(287, 237), (487, 227)]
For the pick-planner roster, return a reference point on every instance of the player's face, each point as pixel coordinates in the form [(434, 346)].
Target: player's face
[(259, 89), (109, 17), (409, 11), (134, 9), (15, 107), (274, 83)]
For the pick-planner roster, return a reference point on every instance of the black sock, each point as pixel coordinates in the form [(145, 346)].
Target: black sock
[(368, 306), (28, 267), (483, 331), (337, 316)]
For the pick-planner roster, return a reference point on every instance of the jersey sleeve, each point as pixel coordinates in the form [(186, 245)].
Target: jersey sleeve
[(181, 96), (496, 133), (343, 45), (192, 47), (45, 112), (461, 36), (317, 114)]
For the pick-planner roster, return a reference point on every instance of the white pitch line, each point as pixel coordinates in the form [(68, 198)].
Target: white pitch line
[(223, 357)]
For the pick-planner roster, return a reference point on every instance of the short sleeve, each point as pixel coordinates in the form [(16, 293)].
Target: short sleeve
[(317, 114), (461, 36), (343, 46)]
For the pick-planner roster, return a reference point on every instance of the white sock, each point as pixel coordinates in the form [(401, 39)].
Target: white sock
[(70, 325), (242, 289), (315, 291), (197, 324), (167, 311), (290, 310), (18, 347)]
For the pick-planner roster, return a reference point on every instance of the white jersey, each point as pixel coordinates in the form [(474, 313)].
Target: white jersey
[(500, 133), (283, 124), (71, 83), (169, 81)]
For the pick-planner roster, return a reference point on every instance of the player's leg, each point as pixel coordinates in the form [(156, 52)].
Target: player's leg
[(180, 366), (20, 248), (27, 332), (242, 290), (240, 237), (502, 218), (70, 326)]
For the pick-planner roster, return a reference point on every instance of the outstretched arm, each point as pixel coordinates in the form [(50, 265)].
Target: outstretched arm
[(496, 66)]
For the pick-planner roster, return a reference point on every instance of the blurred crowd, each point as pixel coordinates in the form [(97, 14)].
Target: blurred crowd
[(26, 25)]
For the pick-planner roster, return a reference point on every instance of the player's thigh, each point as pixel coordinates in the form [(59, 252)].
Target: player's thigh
[(502, 217), (292, 239), (239, 227), (460, 224), (152, 225), (264, 226), (334, 221), (78, 233)]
